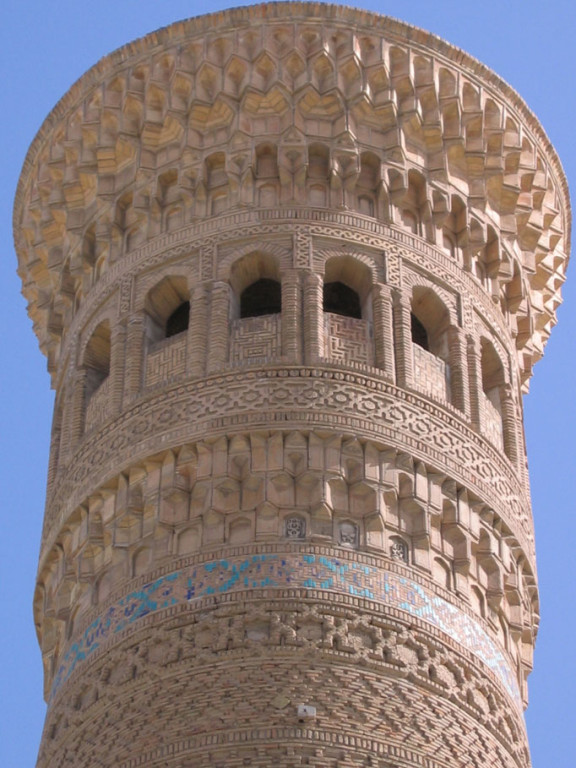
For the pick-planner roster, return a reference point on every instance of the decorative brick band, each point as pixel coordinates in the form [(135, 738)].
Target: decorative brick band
[(294, 571)]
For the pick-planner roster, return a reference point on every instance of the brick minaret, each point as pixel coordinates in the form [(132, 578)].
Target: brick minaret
[(291, 266)]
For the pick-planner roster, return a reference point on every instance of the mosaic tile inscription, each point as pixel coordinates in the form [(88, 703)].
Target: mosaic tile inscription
[(279, 571)]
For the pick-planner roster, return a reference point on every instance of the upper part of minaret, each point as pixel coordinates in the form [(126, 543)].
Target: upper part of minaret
[(225, 113)]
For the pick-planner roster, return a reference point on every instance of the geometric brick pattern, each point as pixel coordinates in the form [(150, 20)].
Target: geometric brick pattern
[(347, 339), (431, 374), (329, 508), (165, 361), (255, 339), (281, 571)]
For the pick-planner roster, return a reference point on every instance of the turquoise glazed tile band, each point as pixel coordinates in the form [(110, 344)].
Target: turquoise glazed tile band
[(298, 571)]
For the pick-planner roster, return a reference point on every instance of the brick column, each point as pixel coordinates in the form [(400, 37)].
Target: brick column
[(78, 406), (135, 351), (403, 340), (383, 330), (55, 442), (459, 386), (313, 318), (117, 367), (509, 423), (292, 316), (475, 384), (219, 326), (197, 332)]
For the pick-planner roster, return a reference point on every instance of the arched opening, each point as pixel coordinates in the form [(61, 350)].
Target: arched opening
[(89, 248), (493, 378), (266, 162), (178, 320), (256, 286), (347, 288), (96, 364), (256, 308), (347, 306), (97, 358), (263, 297), (419, 333), (340, 299), (429, 323), (167, 309)]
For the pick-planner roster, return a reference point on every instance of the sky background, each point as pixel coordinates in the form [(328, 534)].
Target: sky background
[(44, 48)]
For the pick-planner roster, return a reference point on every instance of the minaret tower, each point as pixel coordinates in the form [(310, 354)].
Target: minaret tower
[(291, 266)]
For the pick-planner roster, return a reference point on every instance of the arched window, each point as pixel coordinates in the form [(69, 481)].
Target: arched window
[(347, 288), (419, 333), (263, 297), (430, 321), (493, 378), (340, 299), (97, 358), (256, 286), (167, 309), (178, 320), (488, 261), (255, 309), (347, 305)]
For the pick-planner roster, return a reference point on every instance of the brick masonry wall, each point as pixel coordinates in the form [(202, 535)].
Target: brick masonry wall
[(299, 508)]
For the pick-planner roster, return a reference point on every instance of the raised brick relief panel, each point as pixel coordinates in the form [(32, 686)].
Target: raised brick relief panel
[(431, 374), (165, 361), (97, 406), (295, 650), (279, 487), (347, 339), (343, 574), (295, 397), (492, 426), (250, 516), (254, 339)]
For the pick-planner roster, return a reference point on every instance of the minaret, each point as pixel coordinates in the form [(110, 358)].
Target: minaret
[(291, 266)]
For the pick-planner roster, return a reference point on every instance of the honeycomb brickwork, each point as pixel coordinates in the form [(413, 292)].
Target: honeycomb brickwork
[(291, 266)]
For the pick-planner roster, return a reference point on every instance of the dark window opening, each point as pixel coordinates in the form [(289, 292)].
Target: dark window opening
[(264, 297), (419, 333), (178, 320), (342, 300)]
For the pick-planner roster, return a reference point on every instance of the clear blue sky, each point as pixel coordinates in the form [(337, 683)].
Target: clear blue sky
[(44, 48)]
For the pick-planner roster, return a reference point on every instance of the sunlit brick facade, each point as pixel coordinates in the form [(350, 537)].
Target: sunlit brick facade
[(291, 266)]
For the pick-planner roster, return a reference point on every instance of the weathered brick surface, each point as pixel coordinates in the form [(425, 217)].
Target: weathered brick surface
[(309, 504)]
